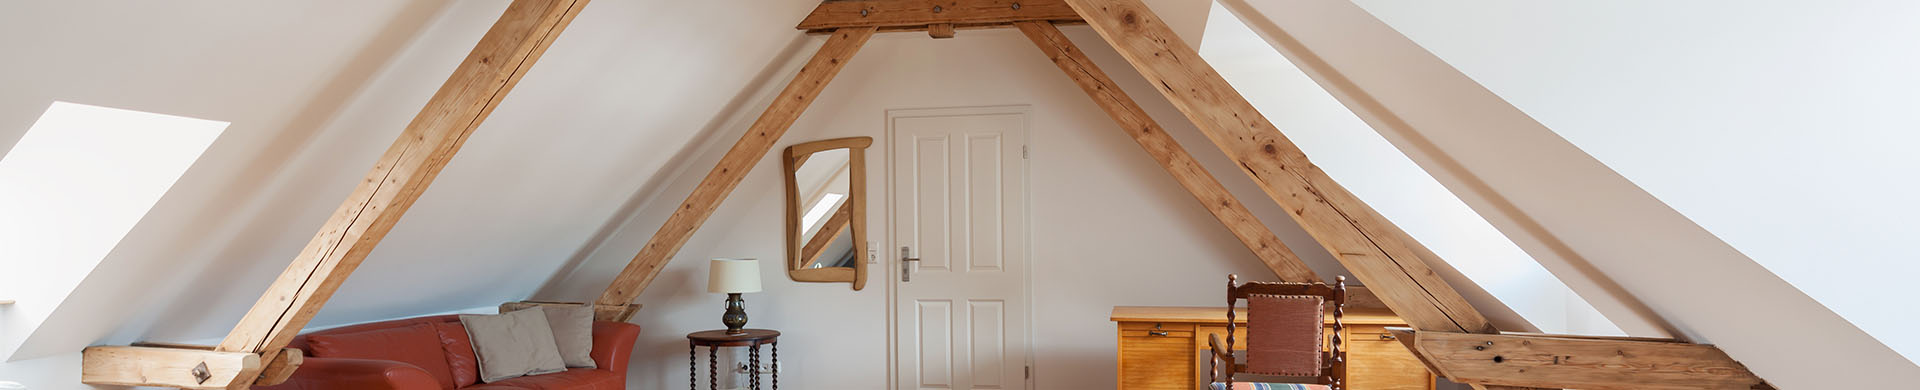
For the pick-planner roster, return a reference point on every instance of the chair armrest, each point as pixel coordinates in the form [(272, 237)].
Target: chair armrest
[(325, 373), (1219, 349), (613, 344)]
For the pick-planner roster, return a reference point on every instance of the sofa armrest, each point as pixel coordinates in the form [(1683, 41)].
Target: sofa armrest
[(325, 373), (613, 344)]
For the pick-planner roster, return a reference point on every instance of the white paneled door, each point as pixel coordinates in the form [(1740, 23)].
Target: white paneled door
[(959, 201)]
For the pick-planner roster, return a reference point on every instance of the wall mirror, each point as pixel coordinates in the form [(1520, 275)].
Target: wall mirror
[(827, 211)]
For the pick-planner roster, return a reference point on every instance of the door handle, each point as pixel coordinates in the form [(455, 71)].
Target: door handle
[(906, 263)]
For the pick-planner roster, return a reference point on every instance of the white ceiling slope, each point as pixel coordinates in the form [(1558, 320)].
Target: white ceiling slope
[(1688, 111), (317, 92)]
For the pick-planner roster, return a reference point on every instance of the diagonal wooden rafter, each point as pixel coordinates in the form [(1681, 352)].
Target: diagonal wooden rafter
[(733, 167), (1164, 149), (1340, 222), (502, 56), (1371, 247)]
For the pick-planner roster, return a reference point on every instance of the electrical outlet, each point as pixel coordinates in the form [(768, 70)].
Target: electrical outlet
[(766, 368)]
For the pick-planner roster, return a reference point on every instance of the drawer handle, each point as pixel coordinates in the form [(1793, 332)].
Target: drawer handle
[(1157, 331), (1386, 336)]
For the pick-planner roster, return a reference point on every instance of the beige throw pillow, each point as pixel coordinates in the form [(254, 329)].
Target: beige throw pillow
[(514, 344), (573, 333)]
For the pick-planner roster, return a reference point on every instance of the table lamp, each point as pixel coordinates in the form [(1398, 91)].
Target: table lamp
[(733, 277)]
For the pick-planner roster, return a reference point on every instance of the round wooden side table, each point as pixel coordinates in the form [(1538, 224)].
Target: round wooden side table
[(714, 339)]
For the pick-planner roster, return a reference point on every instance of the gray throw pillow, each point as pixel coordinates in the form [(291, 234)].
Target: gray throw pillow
[(573, 332), (513, 345)]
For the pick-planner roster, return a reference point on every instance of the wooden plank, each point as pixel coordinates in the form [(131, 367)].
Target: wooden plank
[(476, 87), (281, 368), (167, 367), (734, 165), (1591, 363), (892, 15), (1168, 152), (940, 31), (1346, 227)]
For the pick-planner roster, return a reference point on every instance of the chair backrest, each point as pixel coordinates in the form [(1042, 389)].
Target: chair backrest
[(1284, 329)]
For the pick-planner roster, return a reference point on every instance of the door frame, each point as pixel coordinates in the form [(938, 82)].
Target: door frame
[(1026, 195)]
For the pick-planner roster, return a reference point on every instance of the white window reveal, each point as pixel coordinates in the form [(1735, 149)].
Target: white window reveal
[(71, 188)]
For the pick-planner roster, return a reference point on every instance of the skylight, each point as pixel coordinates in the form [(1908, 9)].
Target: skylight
[(72, 187)]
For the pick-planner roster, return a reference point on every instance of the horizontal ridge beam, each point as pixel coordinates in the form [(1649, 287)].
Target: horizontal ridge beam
[(916, 15)]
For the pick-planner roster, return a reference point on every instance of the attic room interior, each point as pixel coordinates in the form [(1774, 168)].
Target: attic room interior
[(958, 194)]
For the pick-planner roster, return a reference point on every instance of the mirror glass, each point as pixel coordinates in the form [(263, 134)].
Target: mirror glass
[(825, 211), (824, 181)]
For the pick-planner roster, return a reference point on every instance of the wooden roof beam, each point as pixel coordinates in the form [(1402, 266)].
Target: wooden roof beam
[(1582, 362), (1366, 243), (1168, 152), (497, 62), (732, 168), (940, 17)]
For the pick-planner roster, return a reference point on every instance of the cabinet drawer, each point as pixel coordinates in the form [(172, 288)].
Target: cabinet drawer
[(1376, 361), (1156, 362)]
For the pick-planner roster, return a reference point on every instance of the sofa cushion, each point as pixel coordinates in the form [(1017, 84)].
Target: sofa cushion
[(573, 333), (573, 379), (513, 344), (417, 345), (459, 348)]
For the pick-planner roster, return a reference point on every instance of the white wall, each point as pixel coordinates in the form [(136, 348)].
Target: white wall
[(1087, 179)]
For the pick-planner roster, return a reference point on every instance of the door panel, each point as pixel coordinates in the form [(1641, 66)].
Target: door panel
[(959, 205), (935, 342)]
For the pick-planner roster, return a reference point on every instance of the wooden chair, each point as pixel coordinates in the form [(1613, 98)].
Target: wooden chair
[(1277, 318)]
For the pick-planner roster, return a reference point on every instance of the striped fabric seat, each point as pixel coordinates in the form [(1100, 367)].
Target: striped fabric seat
[(1268, 386)]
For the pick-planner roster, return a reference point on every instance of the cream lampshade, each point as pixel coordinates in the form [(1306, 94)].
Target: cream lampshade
[(734, 276)]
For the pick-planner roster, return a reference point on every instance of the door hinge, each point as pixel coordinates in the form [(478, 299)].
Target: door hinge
[(1029, 372), (1025, 153)]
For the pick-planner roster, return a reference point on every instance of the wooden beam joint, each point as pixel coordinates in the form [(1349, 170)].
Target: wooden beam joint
[(940, 30), (198, 368)]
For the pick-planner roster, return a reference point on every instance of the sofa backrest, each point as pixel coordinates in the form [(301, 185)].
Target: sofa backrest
[(437, 344)]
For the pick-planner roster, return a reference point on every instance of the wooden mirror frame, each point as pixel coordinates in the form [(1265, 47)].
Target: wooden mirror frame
[(855, 211)]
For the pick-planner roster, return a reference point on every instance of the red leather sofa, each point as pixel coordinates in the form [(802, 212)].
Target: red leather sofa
[(434, 353)]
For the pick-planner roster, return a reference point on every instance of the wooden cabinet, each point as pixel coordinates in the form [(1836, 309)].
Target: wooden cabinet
[(1163, 348)]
